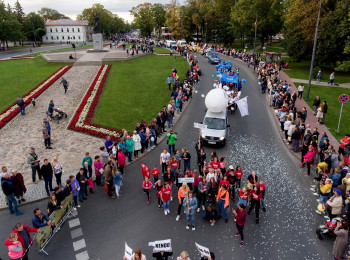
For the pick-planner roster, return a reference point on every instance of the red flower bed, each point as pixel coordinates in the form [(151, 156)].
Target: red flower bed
[(28, 97), (89, 127)]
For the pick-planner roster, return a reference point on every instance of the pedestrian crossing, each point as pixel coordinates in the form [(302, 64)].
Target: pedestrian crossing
[(78, 240)]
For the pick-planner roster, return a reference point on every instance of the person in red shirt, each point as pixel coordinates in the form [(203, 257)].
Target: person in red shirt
[(262, 188), (343, 142), (165, 195), (232, 181), (145, 171), (224, 181), (243, 196), (158, 186), (155, 173), (255, 202), (147, 186), (168, 177), (238, 174), (240, 217), (215, 163)]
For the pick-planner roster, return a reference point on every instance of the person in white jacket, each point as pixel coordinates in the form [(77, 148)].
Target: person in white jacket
[(137, 144)]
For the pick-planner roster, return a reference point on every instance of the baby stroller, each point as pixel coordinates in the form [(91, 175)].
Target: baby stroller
[(58, 116), (328, 228)]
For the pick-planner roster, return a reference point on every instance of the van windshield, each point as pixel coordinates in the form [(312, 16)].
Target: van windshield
[(215, 123)]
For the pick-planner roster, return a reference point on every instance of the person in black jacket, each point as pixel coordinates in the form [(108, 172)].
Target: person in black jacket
[(325, 109), (47, 172), (9, 190), (316, 104), (162, 255), (81, 178), (88, 175)]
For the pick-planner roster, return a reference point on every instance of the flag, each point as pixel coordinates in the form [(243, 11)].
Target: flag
[(243, 106)]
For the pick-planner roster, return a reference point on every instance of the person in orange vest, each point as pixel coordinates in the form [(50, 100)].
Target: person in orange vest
[(223, 201)]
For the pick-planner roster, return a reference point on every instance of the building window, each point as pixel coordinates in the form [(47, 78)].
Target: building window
[(51, 38), (68, 37), (67, 29), (50, 29), (79, 37), (57, 38), (46, 38), (73, 37), (78, 29), (72, 29), (62, 37), (56, 30), (61, 29)]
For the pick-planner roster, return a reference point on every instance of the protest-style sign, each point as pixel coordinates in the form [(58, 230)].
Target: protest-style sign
[(203, 250), (187, 180), (161, 245), (128, 252)]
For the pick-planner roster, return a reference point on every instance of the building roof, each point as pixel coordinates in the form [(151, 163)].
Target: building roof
[(66, 22)]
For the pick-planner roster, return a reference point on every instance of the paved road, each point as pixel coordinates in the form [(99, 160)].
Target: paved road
[(19, 52), (286, 230)]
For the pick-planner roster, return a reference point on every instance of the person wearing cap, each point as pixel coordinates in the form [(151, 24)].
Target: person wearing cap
[(336, 203)]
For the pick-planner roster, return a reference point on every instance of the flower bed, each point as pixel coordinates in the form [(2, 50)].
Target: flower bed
[(8, 114), (81, 121), (20, 58)]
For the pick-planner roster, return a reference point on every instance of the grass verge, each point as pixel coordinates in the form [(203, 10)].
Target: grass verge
[(20, 76), (136, 89), (331, 95)]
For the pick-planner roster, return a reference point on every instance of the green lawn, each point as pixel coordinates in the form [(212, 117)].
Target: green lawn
[(301, 70), (161, 50), (60, 49), (20, 76), (136, 89), (331, 94)]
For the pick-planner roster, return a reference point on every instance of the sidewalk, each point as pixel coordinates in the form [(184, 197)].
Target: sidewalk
[(344, 85)]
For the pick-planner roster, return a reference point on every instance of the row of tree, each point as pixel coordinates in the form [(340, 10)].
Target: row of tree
[(229, 21)]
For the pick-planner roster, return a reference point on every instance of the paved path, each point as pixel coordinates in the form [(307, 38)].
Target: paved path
[(322, 83), (24, 132)]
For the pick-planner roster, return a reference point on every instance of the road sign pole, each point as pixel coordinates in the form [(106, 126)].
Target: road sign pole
[(341, 111)]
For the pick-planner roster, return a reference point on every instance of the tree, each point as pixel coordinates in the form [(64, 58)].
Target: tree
[(143, 18), (31, 23), (18, 11), (10, 28), (158, 15), (39, 33), (51, 14)]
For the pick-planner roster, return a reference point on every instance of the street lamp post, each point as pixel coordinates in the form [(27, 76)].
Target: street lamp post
[(256, 25), (33, 32), (314, 51)]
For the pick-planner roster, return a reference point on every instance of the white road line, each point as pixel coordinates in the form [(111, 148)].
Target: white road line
[(74, 223), (82, 256), (77, 245), (76, 233)]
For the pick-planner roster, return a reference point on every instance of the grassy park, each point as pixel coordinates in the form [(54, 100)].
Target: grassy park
[(161, 50), (136, 89), (20, 76), (331, 94)]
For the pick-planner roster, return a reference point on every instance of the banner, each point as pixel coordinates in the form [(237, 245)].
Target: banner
[(128, 252), (161, 245), (187, 180), (203, 250), (229, 79), (200, 126), (243, 106)]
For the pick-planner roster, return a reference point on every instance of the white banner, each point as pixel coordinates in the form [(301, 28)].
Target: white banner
[(203, 250), (200, 126), (187, 180), (161, 245), (243, 106), (128, 252)]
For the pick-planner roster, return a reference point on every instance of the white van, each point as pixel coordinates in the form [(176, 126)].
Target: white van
[(216, 131), (170, 44), (181, 43)]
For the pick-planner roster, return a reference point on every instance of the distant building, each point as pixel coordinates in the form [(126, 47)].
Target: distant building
[(67, 31)]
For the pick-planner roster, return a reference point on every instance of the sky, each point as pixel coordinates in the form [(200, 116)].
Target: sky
[(73, 8)]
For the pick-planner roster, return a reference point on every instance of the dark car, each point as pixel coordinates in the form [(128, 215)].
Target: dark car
[(213, 58)]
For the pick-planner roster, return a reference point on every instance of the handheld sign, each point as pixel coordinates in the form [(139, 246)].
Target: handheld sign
[(203, 250), (187, 180), (128, 252), (200, 126), (161, 245)]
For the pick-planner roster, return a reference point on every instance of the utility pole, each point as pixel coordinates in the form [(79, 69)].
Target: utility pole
[(256, 27), (314, 51), (33, 32)]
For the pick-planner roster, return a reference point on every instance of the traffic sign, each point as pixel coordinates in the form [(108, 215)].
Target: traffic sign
[(343, 98)]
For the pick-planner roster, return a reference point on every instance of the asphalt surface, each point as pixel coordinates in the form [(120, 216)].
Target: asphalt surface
[(24, 51), (286, 230)]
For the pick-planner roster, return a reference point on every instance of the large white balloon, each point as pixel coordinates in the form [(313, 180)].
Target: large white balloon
[(216, 100)]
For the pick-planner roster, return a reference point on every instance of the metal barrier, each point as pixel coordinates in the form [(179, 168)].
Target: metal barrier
[(57, 218)]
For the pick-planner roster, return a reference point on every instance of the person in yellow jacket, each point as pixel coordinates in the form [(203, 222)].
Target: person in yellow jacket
[(181, 194), (325, 190), (223, 201)]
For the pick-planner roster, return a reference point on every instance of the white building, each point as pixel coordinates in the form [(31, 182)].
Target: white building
[(67, 31)]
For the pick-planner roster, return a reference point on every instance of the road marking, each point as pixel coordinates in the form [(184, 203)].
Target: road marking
[(74, 223), (82, 256), (76, 233), (77, 245)]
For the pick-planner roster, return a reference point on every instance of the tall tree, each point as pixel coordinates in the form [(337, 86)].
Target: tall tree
[(51, 14), (10, 28), (143, 18), (31, 23), (18, 11), (158, 15)]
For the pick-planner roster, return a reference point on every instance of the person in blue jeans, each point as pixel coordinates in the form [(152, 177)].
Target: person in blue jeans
[(74, 185), (190, 205), (223, 201), (9, 190), (186, 157), (47, 173), (21, 104), (81, 178)]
